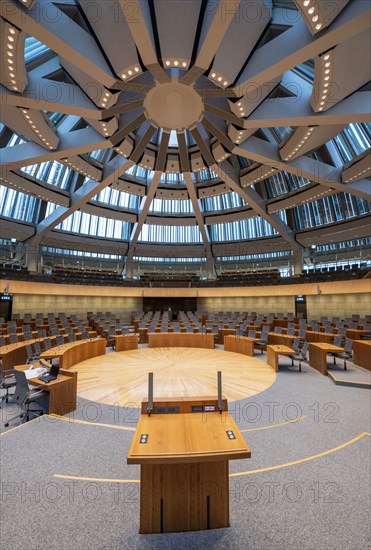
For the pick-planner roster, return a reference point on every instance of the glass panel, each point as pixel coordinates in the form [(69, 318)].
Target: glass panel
[(18, 206), (33, 49), (242, 230), (170, 234)]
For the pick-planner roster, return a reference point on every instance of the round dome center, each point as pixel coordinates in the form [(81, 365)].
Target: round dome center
[(173, 106)]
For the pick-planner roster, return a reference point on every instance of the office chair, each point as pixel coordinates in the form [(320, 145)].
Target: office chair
[(59, 340), (300, 354), (337, 340), (347, 354), (31, 356), (47, 344), (262, 343), (24, 396), (7, 381), (13, 339)]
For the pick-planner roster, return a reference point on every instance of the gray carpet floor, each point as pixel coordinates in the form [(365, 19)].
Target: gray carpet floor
[(322, 503)]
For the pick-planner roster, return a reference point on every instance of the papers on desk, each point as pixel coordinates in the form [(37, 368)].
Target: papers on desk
[(35, 373)]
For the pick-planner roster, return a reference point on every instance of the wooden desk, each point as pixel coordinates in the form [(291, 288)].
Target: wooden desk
[(240, 344), (180, 339), (16, 354), (184, 479), (355, 334), (125, 342), (274, 351), (362, 353), (143, 335), (75, 352), (275, 339), (318, 355), (314, 336), (62, 391), (223, 332), (20, 335)]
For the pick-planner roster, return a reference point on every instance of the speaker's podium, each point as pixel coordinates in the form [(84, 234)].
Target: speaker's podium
[(183, 448)]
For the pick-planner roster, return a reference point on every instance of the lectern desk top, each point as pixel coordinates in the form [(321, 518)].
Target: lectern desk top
[(183, 449), (189, 437)]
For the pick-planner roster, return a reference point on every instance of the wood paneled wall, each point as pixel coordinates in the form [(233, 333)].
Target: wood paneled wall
[(340, 298)]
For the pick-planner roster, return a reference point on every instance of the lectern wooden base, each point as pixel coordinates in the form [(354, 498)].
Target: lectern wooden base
[(183, 450), (184, 497)]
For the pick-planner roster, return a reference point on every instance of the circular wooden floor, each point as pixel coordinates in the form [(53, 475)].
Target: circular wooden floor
[(122, 377)]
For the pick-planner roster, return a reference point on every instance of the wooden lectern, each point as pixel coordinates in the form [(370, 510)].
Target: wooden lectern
[(183, 448)]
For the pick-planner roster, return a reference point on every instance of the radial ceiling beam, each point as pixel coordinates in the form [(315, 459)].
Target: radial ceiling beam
[(71, 144), (162, 152), (216, 21), (203, 144), (138, 18), (348, 66), (223, 114), (128, 101), (176, 25), (143, 211), (297, 45), (48, 24), (69, 99), (112, 30), (128, 123), (84, 194), (183, 153), (197, 210), (143, 138), (219, 134), (267, 153), (231, 177), (244, 32), (31, 124), (297, 111)]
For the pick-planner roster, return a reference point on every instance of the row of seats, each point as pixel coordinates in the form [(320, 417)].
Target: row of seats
[(176, 279)]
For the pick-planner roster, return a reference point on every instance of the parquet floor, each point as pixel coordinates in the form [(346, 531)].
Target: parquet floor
[(121, 378)]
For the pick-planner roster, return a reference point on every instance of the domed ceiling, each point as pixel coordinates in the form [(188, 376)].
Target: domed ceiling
[(173, 100)]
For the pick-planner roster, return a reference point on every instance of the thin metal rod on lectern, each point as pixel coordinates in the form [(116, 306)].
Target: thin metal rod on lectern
[(220, 399), (150, 393)]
